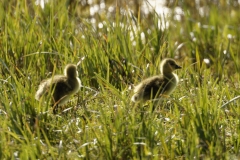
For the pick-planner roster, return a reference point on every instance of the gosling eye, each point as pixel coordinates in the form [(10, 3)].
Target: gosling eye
[(172, 64)]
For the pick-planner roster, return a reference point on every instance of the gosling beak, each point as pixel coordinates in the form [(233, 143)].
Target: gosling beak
[(177, 67)]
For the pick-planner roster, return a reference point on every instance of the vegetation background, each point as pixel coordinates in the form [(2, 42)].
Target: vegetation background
[(118, 43)]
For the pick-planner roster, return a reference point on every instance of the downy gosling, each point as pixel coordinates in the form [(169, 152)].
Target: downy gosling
[(60, 87), (158, 86)]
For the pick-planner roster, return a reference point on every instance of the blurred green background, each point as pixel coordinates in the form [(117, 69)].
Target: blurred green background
[(119, 43)]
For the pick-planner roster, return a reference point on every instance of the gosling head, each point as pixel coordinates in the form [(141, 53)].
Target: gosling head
[(71, 71), (168, 65)]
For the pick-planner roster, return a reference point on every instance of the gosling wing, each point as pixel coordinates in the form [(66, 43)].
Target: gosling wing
[(154, 87), (61, 87)]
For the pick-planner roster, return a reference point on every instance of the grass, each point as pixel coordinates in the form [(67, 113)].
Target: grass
[(198, 121)]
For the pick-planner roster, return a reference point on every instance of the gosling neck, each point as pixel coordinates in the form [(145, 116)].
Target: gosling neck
[(168, 74)]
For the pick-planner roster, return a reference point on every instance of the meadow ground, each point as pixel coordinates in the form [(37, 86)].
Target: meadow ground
[(200, 120)]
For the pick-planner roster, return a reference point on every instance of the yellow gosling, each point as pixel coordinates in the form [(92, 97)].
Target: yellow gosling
[(60, 87), (158, 86)]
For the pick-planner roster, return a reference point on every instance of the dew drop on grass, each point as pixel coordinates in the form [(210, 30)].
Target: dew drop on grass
[(167, 119), (206, 60), (229, 36)]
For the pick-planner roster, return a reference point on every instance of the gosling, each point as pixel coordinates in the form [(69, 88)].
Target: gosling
[(60, 87), (160, 85)]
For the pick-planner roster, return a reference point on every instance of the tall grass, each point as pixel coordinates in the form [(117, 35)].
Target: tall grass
[(100, 122)]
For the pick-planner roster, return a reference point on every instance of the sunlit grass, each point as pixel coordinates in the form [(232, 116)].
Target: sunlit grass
[(100, 122)]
